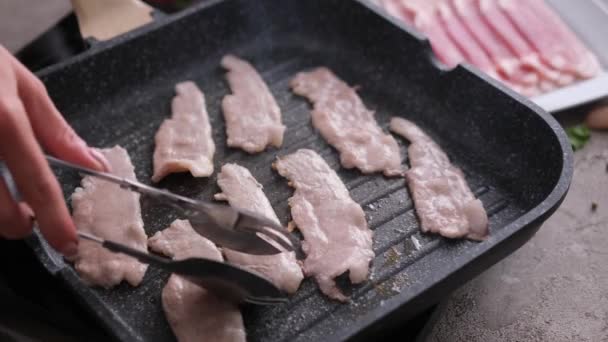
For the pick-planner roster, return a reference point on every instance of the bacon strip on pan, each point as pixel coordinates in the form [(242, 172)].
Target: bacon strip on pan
[(184, 142), (194, 313), (106, 210), (241, 190), (442, 198), (337, 238), (253, 117), (346, 124)]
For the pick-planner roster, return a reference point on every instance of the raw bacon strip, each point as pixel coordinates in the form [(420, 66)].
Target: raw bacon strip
[(422, 15), (444, 203), (341, 117), (253, 118), (419, 7), (184, 143), (194, 313), (503, 27), (443, 46), (456, 30), (472, 51), (589, 64), (105, 210), (554, 42), (241, 190), (503, 59), (337, 238), (393, 8)]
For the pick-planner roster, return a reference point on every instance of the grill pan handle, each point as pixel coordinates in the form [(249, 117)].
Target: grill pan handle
[(105, 19)]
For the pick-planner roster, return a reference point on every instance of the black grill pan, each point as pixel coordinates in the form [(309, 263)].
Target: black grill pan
[(516, 157)]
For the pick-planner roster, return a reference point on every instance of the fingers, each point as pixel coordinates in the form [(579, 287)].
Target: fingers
[(15, 219), (31, 172), (49, 126)]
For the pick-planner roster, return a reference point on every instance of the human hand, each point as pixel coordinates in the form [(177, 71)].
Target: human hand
[(29, 122)]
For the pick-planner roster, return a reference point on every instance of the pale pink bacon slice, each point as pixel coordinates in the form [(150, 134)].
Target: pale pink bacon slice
[(184, 142), (346, 124), (242, 190), (450, 39), (556, 44), (505, 61), (394, 8), (471, 50), (337, 238), (422, 15), (253, 117), (106, 210), (443, 200), (425, 16), (194, 313), (500, 23), (443, 46)]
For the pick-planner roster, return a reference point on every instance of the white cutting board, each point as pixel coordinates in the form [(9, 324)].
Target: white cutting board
[(589, 19)]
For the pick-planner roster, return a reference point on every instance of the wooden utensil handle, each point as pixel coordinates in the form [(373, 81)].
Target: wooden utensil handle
[(105, 19)]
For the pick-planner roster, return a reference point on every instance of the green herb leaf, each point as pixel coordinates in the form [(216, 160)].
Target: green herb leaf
[(578, 135)]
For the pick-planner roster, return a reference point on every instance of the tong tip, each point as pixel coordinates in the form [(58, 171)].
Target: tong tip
[(90, 237)]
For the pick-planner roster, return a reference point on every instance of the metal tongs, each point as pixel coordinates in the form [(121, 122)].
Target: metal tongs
[(228, 281), (227, 226)]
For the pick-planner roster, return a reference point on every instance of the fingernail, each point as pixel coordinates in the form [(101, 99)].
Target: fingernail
[(70, 249), (28, 212), (99, 157)]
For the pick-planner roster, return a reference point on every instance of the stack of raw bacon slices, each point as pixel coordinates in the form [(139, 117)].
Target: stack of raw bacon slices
[(522, 43)]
